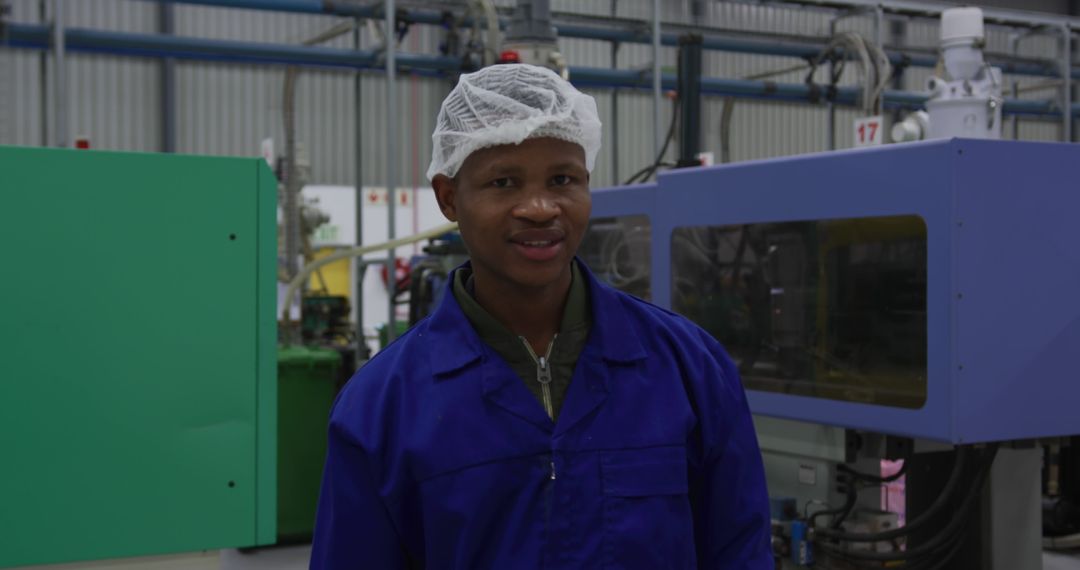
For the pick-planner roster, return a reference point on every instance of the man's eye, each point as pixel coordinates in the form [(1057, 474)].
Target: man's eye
[(562, 180), (501, 183)]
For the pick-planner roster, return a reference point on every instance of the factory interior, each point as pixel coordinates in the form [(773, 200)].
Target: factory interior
[(218, 211)]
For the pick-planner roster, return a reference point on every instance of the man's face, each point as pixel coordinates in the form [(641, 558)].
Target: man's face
[(522, 209)]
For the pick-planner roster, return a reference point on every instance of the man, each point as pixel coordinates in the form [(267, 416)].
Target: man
[(539, 418)]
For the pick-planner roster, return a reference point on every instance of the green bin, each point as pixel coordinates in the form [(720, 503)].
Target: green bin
[(307, 385)]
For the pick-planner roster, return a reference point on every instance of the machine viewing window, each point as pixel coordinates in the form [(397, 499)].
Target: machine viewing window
[(617, 250), (827, 308)]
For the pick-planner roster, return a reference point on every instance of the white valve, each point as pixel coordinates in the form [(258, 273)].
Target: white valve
[(966, 103), (962, 39), (914, 127), (962, 25)]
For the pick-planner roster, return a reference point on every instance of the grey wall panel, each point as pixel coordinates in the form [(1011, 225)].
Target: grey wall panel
[(21, 98), (121, 16), (248, 25), (1040, 131), (225, 109), (114, 102), (111, 100)]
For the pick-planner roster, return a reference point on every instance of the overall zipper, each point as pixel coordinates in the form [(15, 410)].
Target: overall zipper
[(543, 376)]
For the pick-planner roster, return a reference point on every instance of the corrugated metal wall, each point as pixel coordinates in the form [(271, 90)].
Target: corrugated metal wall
[(228, 108)]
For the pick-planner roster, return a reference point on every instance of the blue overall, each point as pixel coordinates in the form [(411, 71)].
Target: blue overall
[(440, 457)]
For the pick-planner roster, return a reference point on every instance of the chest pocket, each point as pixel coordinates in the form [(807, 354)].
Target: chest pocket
[(647, 518)]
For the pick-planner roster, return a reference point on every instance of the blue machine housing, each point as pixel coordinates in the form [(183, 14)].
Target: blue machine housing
[(1003, 270)]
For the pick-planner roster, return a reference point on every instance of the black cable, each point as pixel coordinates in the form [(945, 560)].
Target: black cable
[(875, 478), (929, 514), (942, 538), (849, 505), (841, 511), (649, 170), (852, 496), (936, 558)]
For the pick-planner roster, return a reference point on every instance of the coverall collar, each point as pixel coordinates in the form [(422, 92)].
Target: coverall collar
[(455, 343)]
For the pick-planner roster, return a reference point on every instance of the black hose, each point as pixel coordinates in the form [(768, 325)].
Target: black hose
[(849, 505), (874, 478), (941, 538), (943, 561), (842, 511), (929, 514), (648, 171)]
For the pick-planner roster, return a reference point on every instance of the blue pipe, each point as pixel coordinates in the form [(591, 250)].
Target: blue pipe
[(293, 6), (36, 36), (800, 92), (611, 34), (157, 45)]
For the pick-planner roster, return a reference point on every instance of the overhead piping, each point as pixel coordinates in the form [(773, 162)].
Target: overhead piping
[(153, 45), (623, 33)]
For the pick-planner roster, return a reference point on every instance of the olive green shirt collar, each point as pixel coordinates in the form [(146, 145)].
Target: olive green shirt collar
[(575, 314)]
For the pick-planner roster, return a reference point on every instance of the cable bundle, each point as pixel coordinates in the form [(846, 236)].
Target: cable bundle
[(875, 70), (935, 553)]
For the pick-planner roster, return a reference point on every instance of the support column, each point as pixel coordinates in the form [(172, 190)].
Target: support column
[(1015, 508), (60, 92), (391, 161), (658, 134), (167, 98), (362, 352), (689, 100)]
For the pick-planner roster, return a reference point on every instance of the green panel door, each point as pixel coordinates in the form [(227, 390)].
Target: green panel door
[(134, 326)]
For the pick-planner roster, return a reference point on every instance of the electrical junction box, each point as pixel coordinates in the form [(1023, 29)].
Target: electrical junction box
[(138, 377), (924, 290)]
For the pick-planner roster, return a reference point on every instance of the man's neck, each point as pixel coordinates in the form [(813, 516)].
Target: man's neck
[(534, 314)]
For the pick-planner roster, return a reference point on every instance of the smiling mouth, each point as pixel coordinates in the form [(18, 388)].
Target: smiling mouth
[(539, 250)]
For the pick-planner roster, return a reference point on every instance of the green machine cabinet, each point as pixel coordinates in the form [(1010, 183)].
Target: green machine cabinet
[(137, 354)]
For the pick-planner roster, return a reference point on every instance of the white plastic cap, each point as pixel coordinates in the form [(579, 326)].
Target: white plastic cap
[(507, 104), (961, 25)]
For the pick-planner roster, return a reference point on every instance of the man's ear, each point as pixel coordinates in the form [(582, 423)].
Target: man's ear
[(445, 193)]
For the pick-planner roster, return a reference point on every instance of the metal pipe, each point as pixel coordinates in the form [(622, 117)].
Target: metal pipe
[(928, 9), (919, 8), (167, 97), (150, 45), (43, 77), (291, 179), (879, 39), (1066, 84), (1014, 48), (354, 10), (830, 128), (391, 161), (60, 93), (689, 91), (358, 161), (658, 135), (632, 31), (614, 141), (202, 49)]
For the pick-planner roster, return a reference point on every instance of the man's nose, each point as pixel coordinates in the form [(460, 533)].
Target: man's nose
[(538, 207)]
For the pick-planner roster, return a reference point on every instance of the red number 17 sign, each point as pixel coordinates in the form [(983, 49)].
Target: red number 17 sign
[(868, 131)]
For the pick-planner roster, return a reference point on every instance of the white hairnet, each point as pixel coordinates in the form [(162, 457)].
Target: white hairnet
[(506, 104)]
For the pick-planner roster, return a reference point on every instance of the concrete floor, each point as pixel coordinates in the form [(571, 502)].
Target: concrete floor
[(1061, 561), (277, 558), (296, 558)]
